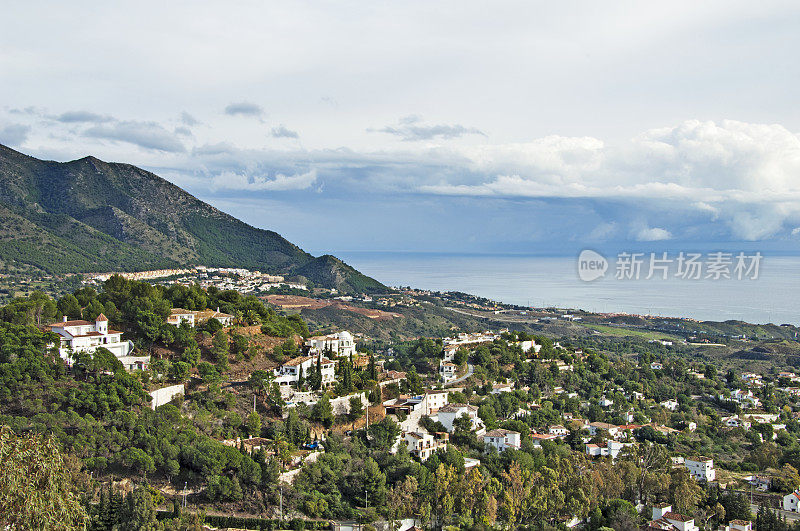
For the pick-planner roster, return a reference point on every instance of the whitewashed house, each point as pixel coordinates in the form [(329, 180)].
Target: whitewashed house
[(423, 444), (503, 439), (671, 405), (791, 502), (447, 371), (558, 430), (340, 344), (290, 372), (700, 468), (449, 413), (84, 336), (179, 315)]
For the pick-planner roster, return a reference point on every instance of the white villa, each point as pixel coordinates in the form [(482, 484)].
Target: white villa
[(289, 373), (664, 518), (503, 439), (340, 344), (83, 336), (449, 413), (423, 444), (179, 315), (447, 371), (791, 502), (701, 468)]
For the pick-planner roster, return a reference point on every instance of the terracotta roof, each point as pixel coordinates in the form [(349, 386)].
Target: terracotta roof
[(69, 323), (677, 517), (101, 317), (500, 432), (297, 361), (740, 522), (180, 311)]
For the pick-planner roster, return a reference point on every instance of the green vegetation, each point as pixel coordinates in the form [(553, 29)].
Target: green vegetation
[(91, 216)]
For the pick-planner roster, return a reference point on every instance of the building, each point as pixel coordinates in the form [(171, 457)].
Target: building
[(740, 525), (502, 439), (701, 468), (291, 371), (435, 399), (203, 316), (558, 430), (664, 518), (671, 405), (447, 371), (606, 449), (539, 438), (791, 501), (177, 316), (449, 413), (339, 344), (84, 336), (423, 445), (594, 427)]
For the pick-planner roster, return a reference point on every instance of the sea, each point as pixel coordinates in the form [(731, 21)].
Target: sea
[(769, 295)]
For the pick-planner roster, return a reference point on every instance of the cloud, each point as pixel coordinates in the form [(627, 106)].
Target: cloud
[(652, 234), (282, 132), (188, 120), (409, 128), (83, 117), (185, 131), (14, 134), (148, 135), (244, 109), (281, 182)]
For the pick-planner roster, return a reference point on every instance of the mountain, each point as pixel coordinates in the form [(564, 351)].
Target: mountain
[(92, 216)]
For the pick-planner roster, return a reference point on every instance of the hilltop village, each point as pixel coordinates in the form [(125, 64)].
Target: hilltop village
[(204, 404)]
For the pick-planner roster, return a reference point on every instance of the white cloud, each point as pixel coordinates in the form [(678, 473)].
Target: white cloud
[(280, 182), (652, 234)]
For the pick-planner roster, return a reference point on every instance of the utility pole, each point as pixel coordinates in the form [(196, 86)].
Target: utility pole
[(254, 402), (281, 502), (184, 493)]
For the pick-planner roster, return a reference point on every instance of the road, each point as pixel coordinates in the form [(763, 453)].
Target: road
[(470, 370)]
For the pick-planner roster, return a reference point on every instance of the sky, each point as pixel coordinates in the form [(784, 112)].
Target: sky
[(513, 127)]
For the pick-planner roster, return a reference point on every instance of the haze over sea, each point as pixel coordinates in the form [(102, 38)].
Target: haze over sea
[(553, 282)]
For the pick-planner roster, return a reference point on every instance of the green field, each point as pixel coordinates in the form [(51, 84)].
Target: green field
[(627, 332)]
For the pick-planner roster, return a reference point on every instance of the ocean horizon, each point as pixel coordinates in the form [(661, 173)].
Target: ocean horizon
[(553, 281)]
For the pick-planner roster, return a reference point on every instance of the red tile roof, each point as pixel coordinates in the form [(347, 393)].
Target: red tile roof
[(101, 317), (69, 323)]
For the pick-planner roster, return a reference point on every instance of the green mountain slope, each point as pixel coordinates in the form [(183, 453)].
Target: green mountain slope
[(92, 216)]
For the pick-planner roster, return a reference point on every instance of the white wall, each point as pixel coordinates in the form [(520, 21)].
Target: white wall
[(165, 395)]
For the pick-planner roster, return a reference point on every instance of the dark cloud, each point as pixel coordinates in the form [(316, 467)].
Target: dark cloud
[(14, 134), (188, 119), (282, 132), (83, 117), (244, 109), (409, 128), (185, 131), (149, 135)]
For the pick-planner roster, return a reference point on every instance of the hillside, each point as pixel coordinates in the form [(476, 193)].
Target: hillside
[(93, 216)]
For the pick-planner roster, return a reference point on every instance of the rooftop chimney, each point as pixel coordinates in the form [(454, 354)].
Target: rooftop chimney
[(65, 318)]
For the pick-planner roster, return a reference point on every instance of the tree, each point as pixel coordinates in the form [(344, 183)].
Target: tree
[(254, 424), (138, 511), (36, 488), (384, 433), (322, 411), (414, 382), (356, 408)]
